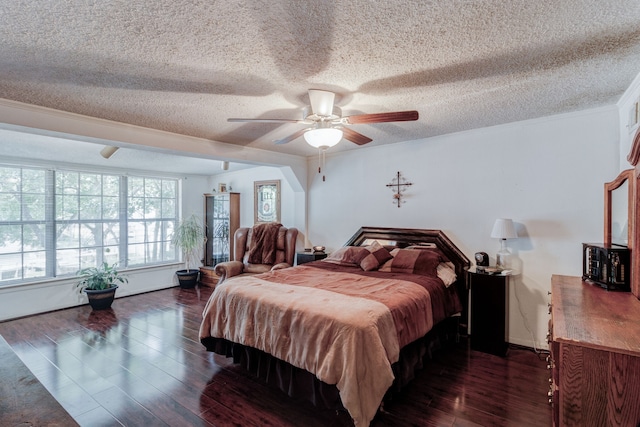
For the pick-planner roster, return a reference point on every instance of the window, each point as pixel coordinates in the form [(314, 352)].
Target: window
[(23, 211), (152, 213), (53, 223), (87, 220)]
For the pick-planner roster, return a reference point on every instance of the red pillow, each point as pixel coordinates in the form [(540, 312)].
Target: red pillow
[(378, 256), (348, 255), (366, 257), (443, 257), (413, 261)]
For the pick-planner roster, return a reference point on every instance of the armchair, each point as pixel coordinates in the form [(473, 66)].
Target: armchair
[(285, 250)]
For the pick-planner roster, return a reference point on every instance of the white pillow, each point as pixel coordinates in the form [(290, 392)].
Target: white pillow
[(446, 273)]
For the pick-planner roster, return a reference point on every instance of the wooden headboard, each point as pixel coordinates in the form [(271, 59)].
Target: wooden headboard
[(403, 237)]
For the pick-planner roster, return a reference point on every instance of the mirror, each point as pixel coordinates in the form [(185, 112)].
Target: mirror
[(618, 203), (266, 201)]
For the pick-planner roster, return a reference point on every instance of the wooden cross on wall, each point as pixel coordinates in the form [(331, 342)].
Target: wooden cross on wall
[(398, 185)]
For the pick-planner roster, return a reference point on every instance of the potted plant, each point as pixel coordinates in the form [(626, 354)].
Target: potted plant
[(190, 237), (100, 284)]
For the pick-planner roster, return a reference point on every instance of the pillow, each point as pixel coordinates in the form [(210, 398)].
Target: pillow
[(366, 257), (432, 248), (348, 255), (447, 273), (378, 255), (412, 261)]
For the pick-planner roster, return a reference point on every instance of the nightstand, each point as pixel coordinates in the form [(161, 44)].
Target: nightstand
[(303, 257), (489, 312)]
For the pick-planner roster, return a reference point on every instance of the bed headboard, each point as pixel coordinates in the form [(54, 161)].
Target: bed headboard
[(403, 237)]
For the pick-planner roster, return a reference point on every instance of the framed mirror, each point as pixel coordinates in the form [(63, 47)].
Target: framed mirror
[(266, 201), (618, 209)]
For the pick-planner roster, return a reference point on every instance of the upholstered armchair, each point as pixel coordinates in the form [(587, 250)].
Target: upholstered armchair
[(259, 249)]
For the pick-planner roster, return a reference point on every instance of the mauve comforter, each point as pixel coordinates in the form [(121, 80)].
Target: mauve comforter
[(342, 324)]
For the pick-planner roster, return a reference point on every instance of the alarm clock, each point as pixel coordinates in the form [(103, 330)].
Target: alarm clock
[(482, 259)]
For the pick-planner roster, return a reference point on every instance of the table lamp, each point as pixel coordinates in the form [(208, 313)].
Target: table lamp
[(503, 229)]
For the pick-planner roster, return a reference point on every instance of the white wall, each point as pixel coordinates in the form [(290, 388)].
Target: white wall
[(192, 189), (27, 299), (292, 203), (546, 174)]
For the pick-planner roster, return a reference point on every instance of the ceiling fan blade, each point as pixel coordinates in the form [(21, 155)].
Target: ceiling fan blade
[(397, 116), (321, 102), (355, 137), (235, 119), (291, 137)]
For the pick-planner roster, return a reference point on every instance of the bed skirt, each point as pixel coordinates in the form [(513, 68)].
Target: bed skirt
[(300, 383)]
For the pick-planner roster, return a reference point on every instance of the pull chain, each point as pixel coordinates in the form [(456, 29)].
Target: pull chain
[(321, 161)]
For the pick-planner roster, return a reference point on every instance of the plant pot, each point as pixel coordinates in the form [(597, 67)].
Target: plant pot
[(188, 278), (101, 299)]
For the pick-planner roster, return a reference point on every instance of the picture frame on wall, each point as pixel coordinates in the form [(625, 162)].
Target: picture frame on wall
[(266, 201), (222, 187)]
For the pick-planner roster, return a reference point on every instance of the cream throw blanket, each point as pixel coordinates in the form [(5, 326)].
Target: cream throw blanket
[(341, 339)]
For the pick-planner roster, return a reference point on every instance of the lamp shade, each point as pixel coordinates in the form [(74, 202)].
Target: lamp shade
[(324, 137), (503, 229)]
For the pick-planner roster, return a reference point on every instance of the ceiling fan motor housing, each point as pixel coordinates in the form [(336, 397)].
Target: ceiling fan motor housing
[(321, 102), (309, 115)]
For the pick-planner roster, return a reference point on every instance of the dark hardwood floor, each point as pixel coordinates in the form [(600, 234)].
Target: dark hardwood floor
[(141, 364)]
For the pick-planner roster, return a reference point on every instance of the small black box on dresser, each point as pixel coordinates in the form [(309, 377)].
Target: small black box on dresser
[(606, 265)]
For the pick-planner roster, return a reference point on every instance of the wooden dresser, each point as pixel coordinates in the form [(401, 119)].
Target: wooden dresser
[(594, 338)]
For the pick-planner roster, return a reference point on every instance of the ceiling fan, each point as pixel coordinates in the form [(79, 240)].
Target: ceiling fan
[(327, 126)]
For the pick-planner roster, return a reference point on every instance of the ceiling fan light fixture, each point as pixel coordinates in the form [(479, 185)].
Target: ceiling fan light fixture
[(328, 125), (323, 138)]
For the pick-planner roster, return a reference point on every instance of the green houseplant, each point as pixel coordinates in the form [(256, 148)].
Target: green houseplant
[(100, 284), (190, 237)]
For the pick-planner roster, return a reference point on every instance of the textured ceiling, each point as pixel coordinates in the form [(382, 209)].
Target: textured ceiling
[(185, 66)]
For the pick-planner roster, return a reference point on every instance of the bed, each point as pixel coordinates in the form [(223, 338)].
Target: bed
[(347, 330)]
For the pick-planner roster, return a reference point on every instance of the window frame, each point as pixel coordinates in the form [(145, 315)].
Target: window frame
[(165, 253)]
